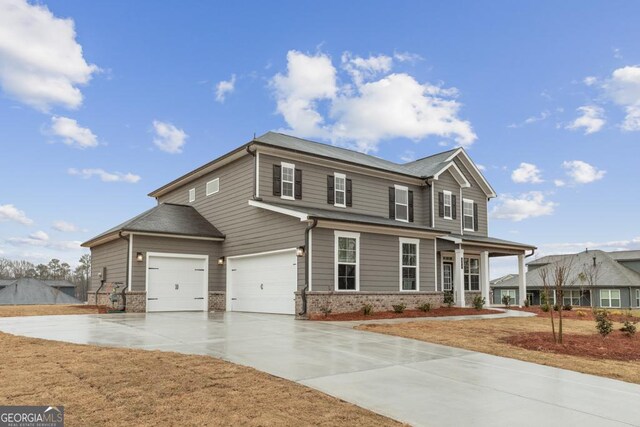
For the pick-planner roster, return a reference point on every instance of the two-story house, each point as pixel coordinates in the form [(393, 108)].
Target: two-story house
[(286, 225)]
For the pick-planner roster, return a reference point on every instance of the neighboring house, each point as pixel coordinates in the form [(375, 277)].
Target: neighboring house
[(29, 291), (596, 278), (62, 285), (286, 225)]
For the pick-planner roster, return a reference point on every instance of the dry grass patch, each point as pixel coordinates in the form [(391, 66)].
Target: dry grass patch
[(489, 336), (47, 310), (120, 387)]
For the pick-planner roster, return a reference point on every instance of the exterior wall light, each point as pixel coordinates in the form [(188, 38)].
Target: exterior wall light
[(300, 251), (221, 260), (139, 257)]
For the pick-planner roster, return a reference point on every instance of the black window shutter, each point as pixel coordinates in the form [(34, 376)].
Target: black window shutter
[(330, 193), (392, 203), (441, 204), (349, 193), (410, 206), (475, 217), (297, 187), (277, 187), (454, 208)]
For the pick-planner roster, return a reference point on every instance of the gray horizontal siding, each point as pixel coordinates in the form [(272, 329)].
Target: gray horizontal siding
[(113, 256), (379, 262), (476, 194), (370, 194), (147, 244), (247, 229)]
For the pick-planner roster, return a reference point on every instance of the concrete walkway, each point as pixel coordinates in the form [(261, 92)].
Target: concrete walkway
[(411, 381)]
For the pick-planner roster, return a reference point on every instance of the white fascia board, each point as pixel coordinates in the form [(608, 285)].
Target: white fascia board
[(486, 187), (286, 211), (456, 173)]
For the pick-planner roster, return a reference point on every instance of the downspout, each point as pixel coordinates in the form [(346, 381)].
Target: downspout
[(533, 251), (307, 274), (255, 172), (102, 281), (124, 288)]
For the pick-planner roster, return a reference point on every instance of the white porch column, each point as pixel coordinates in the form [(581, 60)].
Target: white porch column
[(484, 276), (458, 277), (522, 280)]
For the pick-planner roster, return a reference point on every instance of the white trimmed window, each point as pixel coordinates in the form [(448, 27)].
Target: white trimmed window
[(610, 298), (551, 298), (213, 186), (637, 297), (402, 203), (447, 204), (192, 195), (471, 274), (409, 264), (510, 292), (347, 261), (467, 214), (571, 297), (288, 174), (340, 190)]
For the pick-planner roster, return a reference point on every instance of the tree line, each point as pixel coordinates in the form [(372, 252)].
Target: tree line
[(53, 270)]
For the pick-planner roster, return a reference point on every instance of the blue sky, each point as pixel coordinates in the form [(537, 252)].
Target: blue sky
[(102, 102)]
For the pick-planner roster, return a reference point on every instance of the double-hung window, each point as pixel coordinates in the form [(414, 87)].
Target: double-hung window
[(467, 214), (409, 264), (347, 260), (288, 174), (511, 293), (402, 203), (192, 195), (610, 298), (213, 186), (340, 190), (448, 209), (571, 297), (471, 274)]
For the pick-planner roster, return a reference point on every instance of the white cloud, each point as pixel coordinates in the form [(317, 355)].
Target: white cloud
[(526, 173), (65, 226), (591, 119), (407, 57), (559, 183), (408, 156), (11, 213), (590, 80), (41, 239), (224, 88), (481, 167), (532, 119), (73, 134), (582, 172), (42, 64), (104, 175), (573, 247), (527, 205), (169, 138), (624, 90), (374, 106)]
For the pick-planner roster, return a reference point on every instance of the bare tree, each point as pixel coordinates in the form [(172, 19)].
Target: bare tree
[(82, 275), (6, 269), (556, 279), (22, 268), (589, 274), (543, 273)]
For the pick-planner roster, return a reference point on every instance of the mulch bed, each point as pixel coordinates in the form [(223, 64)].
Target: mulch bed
[(101, 308), (578, 313), (616, 346), (376, 315)]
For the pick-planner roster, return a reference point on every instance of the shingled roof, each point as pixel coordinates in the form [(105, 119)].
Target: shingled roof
[(166, 218), (27, 291)]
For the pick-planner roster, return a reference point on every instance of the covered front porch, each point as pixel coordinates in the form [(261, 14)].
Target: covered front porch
[(464, 269)]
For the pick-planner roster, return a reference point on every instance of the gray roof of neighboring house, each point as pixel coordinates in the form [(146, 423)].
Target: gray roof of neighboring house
[(503, 278), (610, 272), (166, 218), (421, 168), (59, 283), (491, 240), (625, 255), (27, 291), (6, 282)]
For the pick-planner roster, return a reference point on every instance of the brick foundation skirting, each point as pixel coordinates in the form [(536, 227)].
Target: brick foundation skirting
[(136, 300), (217, 301), (345, 302)]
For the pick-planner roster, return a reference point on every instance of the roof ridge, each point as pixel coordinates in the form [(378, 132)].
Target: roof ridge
[(431, 155)]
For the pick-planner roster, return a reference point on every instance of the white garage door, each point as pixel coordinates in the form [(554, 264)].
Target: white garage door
[(176, 283), (263, 283)]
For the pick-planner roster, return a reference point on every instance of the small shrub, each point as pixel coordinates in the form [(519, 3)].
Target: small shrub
[(506, 300), (425, 307), (567, 307), (603, 323), (326, 311), (629, 328), (556, 307), (399, 308), (478, 302), (545, 307), (367, 309), (527, 303), (580, 313), (448, 299)]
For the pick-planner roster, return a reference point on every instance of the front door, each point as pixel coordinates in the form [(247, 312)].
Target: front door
[(447, 276)]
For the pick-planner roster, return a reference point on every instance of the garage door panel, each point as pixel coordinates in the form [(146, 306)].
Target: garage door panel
[(264, 283), (176, 284)]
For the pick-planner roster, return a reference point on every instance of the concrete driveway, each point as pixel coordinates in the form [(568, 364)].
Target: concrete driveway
[(411, 381)]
